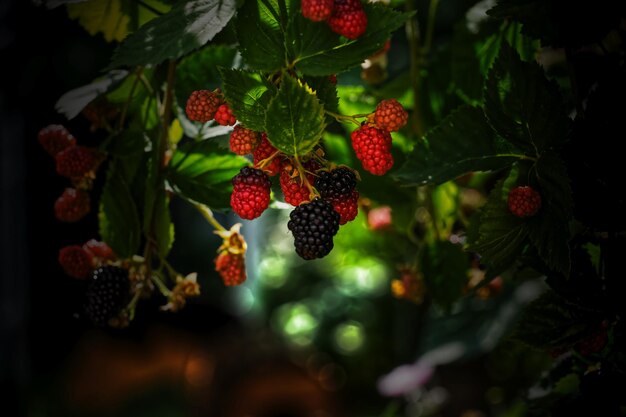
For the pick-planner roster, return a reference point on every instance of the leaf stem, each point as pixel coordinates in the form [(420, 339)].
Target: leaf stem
[(207, 213), (138, 74), (341, 117), (149, 7), (160, 285), (302, 172)]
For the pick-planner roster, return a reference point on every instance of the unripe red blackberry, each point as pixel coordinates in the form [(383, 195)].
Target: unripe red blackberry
[(524, 201), (231, 268), (264, 151), (225, 116), (373, 148), (317, 10), (390, 115), (76, 161), (202, 105), (251, 193), (75, 261), (346, 205), (244, 141), (72, 205), (348, 18), (107, 294), (294, 189), (313, 226), (55, 138), (100, 250)]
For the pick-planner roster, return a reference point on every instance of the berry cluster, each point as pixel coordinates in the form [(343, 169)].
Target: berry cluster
[(76, 162), (79, 261), (204, 105), (344, 17)]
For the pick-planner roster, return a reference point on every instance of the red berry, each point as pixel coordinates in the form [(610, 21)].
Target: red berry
[(72, 206), (251, 193), (347, 206), (390, 115), (264, 151), (348, 18), (100, 250), (317, 10), (379, 218), (76, 162), (76, 261), (225, 116), (55, 138), (524, 201), (373, 148), (202, 105), (593, 344), (231, 268), (294, 189), (333, 79), (243, 141)]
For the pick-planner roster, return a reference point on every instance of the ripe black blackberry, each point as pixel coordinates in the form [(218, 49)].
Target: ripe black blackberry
[(313, 226), (337, 183), (107, 294)]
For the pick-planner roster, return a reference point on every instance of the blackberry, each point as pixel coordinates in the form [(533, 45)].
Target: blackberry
[(107, 294), (337, 183), (313, 226)]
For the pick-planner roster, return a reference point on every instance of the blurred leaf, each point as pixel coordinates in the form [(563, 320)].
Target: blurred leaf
[(523, 106), (445, 267), (189, 25), (461, 143), (317, 50), (119, 221), (163, 226), (549, 232), (551, 322), (175, 132), (127, 142), (337, 148), (203, 172), (249, 96), (74, 101), (445, 200), (501, 235), (567, 385), (260, 30), (554, 183), (295, 118), (101, 16)]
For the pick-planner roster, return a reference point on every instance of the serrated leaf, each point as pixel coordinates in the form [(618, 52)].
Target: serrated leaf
[(203, 172), (118, 218), (445, 267), (461, 143), (500, 235), (326, 92), (316, 50), (248, 94), (295, 118), (260, 30), (549, 233), (554, 183), (551, 322), (74, 101), (523, 106), (188, 26), (101, 16)]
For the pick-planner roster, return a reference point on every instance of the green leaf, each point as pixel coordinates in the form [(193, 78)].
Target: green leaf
[(248, 94), (203, 172), (118, 219), (189, 25), (295, 119), (126, 143), (326, 92), (74, 101), (549, 233), (551, 322), (163, 226), (554, 183), (500, 235), (260, 30), (461, 143), (445, 267), (523, 106), (316, 50)]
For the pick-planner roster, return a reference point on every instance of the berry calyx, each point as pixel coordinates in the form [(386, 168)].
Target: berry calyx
[(348, 18), (72, 205), (107, 294), (373, 148), (244, 141), (524, 201), (339, 182), (317, 10), (76, 261), (313, 226), (390, 115), (55, 138), (225, 116), (251, 193), (76, 162), (347, 206), (264, 151), (231, 268), (202, 105)]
